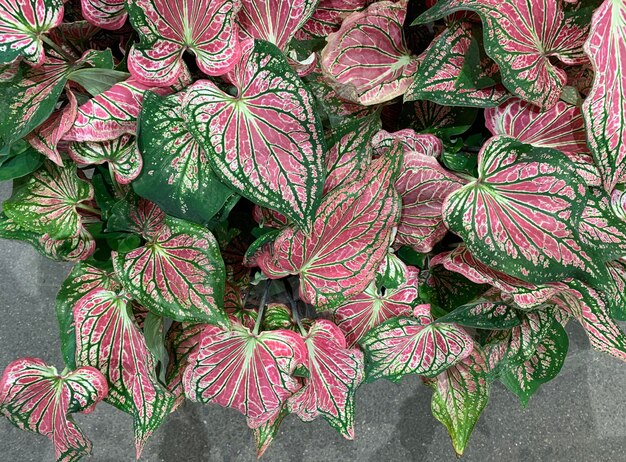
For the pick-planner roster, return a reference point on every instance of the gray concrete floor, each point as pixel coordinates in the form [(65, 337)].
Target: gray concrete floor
[(580, 416)]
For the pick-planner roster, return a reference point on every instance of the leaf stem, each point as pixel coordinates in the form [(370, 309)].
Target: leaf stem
[(266, 291), (116, 186), (89, 209), (294, 309), (45, 39)]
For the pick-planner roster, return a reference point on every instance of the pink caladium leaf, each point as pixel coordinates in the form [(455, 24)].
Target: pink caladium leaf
[(29, 96), (428, 145), (204, 27), (108, 339), (335, 372), (367, 59), (48, 202), (22, 25), (111, 114), (524, 294), (107, 14), (523, 212), (266, 143), (545, 363), (259, 370), (423, 186), (176, 174), (46, 137), (361, 313), (561, 127), (414, 345), (524, 48), (121, 154), (591, 308), (604, 108), (349, 238), (182, 343), (275, 21), (136, 215), (179, 273), (446, 68), (35, 397), (600, 228), (328, 17), (459, 396)]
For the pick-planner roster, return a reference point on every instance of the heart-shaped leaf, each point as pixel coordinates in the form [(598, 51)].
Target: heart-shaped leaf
[(413, 345), (259, 396), (108, 339), (176, 173), (35, 397), (22, 25), (179, 273), (349, 238), (107, 14), (204, 27), (120, 153), (328, 17), (266, 142), (335, 372), (367, 58)]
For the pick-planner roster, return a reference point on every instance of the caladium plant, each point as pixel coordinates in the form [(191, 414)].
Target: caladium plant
[(272, 203)]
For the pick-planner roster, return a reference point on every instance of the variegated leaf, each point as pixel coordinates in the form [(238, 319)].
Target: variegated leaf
[(525, 379), (264, 435), (108, 339), (182, 344), (266, 142), (522, 37), (372, 307), (423, 186), (349, 238), (560, 127), (604, 108), (367, 59), (522, 212), (428, 145), (82, 279), (46, 137), (443, 121), (459, 396), (167, 29), (335, 372), (600, 228), (483, 314), (227, 370), (107, 14), (137, 216), (121, 154), (328, 17), (176, 173), (445, 66), (413, 345), (22, 25), (179, 273), (35, 397), (47, 203), (275, 21)]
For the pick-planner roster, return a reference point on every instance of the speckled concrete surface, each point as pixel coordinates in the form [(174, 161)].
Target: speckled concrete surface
[(580, 416)]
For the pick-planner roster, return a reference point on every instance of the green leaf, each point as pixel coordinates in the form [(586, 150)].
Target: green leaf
[(17, 166), (97, 81)]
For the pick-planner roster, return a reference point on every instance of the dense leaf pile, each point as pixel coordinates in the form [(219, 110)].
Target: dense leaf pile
[(272, 202)]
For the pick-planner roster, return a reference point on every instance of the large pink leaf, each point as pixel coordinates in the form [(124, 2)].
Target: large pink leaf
[(112, 113), (414, 345), (561, 127), (368, 60), (121, 154), (523, 38), (523, 212), (22, 24), (372, 307), (335, 372), (108, 339), (35, 397), (46, 137), (168, 28), (107, 14), (423, 186), (267, 142), (328, 17), (605, 106), (349, 239), (179, 273), (275, 21), (525, 294), (252, 373)]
